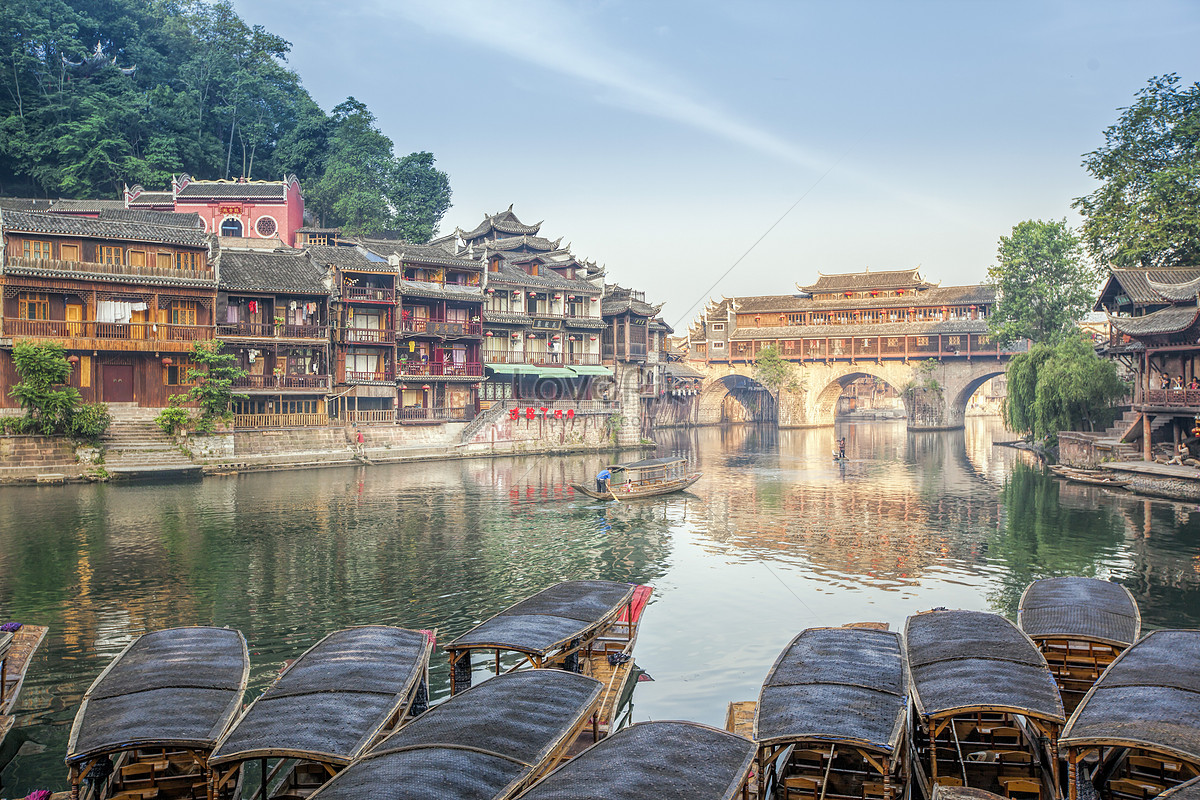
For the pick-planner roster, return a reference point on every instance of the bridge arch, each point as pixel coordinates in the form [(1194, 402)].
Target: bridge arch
[(825, 399), (735, 398)]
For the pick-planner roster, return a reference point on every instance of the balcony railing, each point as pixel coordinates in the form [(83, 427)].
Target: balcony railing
[(316, 382), (369, 294), (583, 358), (463, 369), (436, 414), (89, 267), (145, 331), (267, 330), (382, 375), (368, 335), (372, 415), (1189, 398), (441, 327), (280, 420), (502, 357)]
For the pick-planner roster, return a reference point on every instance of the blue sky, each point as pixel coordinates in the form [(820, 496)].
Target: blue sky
[(663, 139)]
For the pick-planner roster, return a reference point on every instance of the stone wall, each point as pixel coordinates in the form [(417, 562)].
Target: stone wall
[(544, 432), (1077, 450), (23, 458)]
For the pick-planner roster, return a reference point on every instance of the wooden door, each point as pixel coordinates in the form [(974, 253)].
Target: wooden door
[(117, 383), (137, 330), (74, 315)]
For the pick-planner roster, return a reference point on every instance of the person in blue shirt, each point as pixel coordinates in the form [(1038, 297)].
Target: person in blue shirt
[(602, 480)]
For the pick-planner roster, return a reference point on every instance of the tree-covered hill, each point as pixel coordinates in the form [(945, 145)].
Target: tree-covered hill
[(95, 94)]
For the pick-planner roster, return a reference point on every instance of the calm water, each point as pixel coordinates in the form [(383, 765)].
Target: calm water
[(774, 538)]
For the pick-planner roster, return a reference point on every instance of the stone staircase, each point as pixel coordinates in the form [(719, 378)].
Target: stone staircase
[(1112, 441), (134, 445)]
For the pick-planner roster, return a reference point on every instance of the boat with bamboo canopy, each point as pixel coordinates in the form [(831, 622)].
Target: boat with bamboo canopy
[(486, 743), (655, 761), (16, 652), (325, 710), (649, 477), (1137, 732), (588, 627), (986, 710), (149, 721), (1184, 791), (1080, 625), (832, 717)]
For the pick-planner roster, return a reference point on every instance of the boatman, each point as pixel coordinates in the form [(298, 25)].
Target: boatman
[(602, 480), (842, 447)]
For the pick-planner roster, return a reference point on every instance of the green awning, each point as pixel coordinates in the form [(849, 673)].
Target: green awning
[(512, 369), (590, 370), (554, 372)]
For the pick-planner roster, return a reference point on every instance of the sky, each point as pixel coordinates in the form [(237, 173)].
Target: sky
[(671, 141)]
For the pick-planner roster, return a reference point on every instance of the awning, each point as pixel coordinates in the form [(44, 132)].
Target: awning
[(555, 372), (588, 370), (530, 369)]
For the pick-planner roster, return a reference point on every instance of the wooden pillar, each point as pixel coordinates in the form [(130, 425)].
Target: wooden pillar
[(1145, 436)]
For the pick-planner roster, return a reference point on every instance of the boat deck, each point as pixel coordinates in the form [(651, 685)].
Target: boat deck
[(620, 637), (25, 643)]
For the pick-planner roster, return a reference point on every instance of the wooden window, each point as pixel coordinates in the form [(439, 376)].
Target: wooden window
[(183, 312), (111, 255), (33, 305), (187, 260), (34, 249), (137, 258), (177, 374), (85, 372), (162, 260), (68, 252)]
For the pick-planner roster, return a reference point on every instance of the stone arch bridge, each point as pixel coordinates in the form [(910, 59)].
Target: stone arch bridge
[(810, 399)]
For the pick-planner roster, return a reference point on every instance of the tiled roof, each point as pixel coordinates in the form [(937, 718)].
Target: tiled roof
[(510, 275), (1135, 284), (501, 318), (619, 305), (86, 206), (1179, 292), (981, 294), (660, 325), (770, 304), (421, 254), (69, 225), (448, 291), (281, 271), (860, 281), (165, 279), (677, 370), (308, 229), (232, 190), (347, 258), (169, 218), (864, 329), (584, 322), (24, 203), (525, 243), (152, 199), (503, 222), (1169, 320)]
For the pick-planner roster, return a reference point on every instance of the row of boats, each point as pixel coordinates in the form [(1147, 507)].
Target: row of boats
[(1070, 702)]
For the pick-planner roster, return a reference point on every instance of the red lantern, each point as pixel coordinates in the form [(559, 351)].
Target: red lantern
[(593, 338), (166, 362), (516, 335), (488, 334)]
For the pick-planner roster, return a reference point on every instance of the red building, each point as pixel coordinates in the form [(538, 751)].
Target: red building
[(240, 208)]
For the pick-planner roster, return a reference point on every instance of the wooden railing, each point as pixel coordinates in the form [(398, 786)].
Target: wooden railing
[(379, 375), (839, 348), (436, 414), (280, 420), (267, 330), (441, 370), (441, 327), (501, 357), (148, 331), (372, 415), (282, 382), (1173, 397), (89, 267), (369, 294), (367, 335)]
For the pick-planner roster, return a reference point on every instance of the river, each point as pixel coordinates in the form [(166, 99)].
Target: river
[(774, 538)]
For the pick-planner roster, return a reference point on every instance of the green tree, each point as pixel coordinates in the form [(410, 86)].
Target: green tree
[(1043, 284), (42, 391), (420, 196), (1060, 387), (214, 378), (1144, 214), (775, 372)]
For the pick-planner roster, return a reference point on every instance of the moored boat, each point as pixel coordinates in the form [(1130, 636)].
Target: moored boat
[(329, 706), (832, 717), (16, 651), (654, 761), (986, 710), (1092, 477), (580, 626), (1137, 732), (646, 478), (147, 724), (486, 743), (1080, 625)]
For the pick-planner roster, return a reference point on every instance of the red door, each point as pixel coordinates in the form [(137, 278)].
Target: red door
[(118, 383)]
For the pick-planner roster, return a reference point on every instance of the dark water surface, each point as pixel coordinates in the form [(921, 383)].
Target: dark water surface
[(774, 538)]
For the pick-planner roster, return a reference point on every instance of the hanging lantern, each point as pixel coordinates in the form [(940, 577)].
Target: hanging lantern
[(166, 362), (594, 299), (558, 297), (427, 386), (491, 291), (533, 294), (516, 336), (556, 337), (488, 334), (593, 338), (570, 338), (517, 291), (532, 336), (75, 359)]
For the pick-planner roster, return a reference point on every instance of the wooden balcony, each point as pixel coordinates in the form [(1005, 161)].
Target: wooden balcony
[(122, 336), (280, 420), (422, 369), (435, 415), (376, 415), (310, 383), (85, 268), (266, 330), (441, 327), (381, 336), (1172, 398), (541, 359), (368, 294), (378, 376)]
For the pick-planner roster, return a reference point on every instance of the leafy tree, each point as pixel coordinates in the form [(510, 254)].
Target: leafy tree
[(42, 391), (420, 197), (775, 372), (1144, 213), (1059, 387), (1043, 284), (214, 378)]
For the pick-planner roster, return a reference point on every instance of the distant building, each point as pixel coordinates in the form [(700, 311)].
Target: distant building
[(233, 209)]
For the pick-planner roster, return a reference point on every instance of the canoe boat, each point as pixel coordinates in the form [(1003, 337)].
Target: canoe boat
[(987, 713), (808, 740), (360, 683), (148, 723), (486, 743), (1092, 477), (654, 761), (1081, 625), (647, 478), (1135, 733), (16, 651), (588, 627)]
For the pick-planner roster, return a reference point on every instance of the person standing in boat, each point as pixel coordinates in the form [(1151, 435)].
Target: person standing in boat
[(842, 447), (602, 480)]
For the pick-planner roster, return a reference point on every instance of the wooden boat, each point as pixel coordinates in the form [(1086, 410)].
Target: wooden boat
[(1137, 732), (1081, 625), (361, 684), (654, 761), (647, 478), (158, 709), (943, 792), (487, 743), (16, 652), (581, 626), (832, 717), (1093, 477), (986, 711), (1184, 791)]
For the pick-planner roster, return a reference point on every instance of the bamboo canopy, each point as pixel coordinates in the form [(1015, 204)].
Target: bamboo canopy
[(1080, 608)]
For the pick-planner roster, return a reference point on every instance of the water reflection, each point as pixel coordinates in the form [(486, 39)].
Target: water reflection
[(775, 537)]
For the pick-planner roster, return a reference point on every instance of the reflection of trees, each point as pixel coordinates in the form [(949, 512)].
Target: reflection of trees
[(1039, 536), (1165, 571)]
